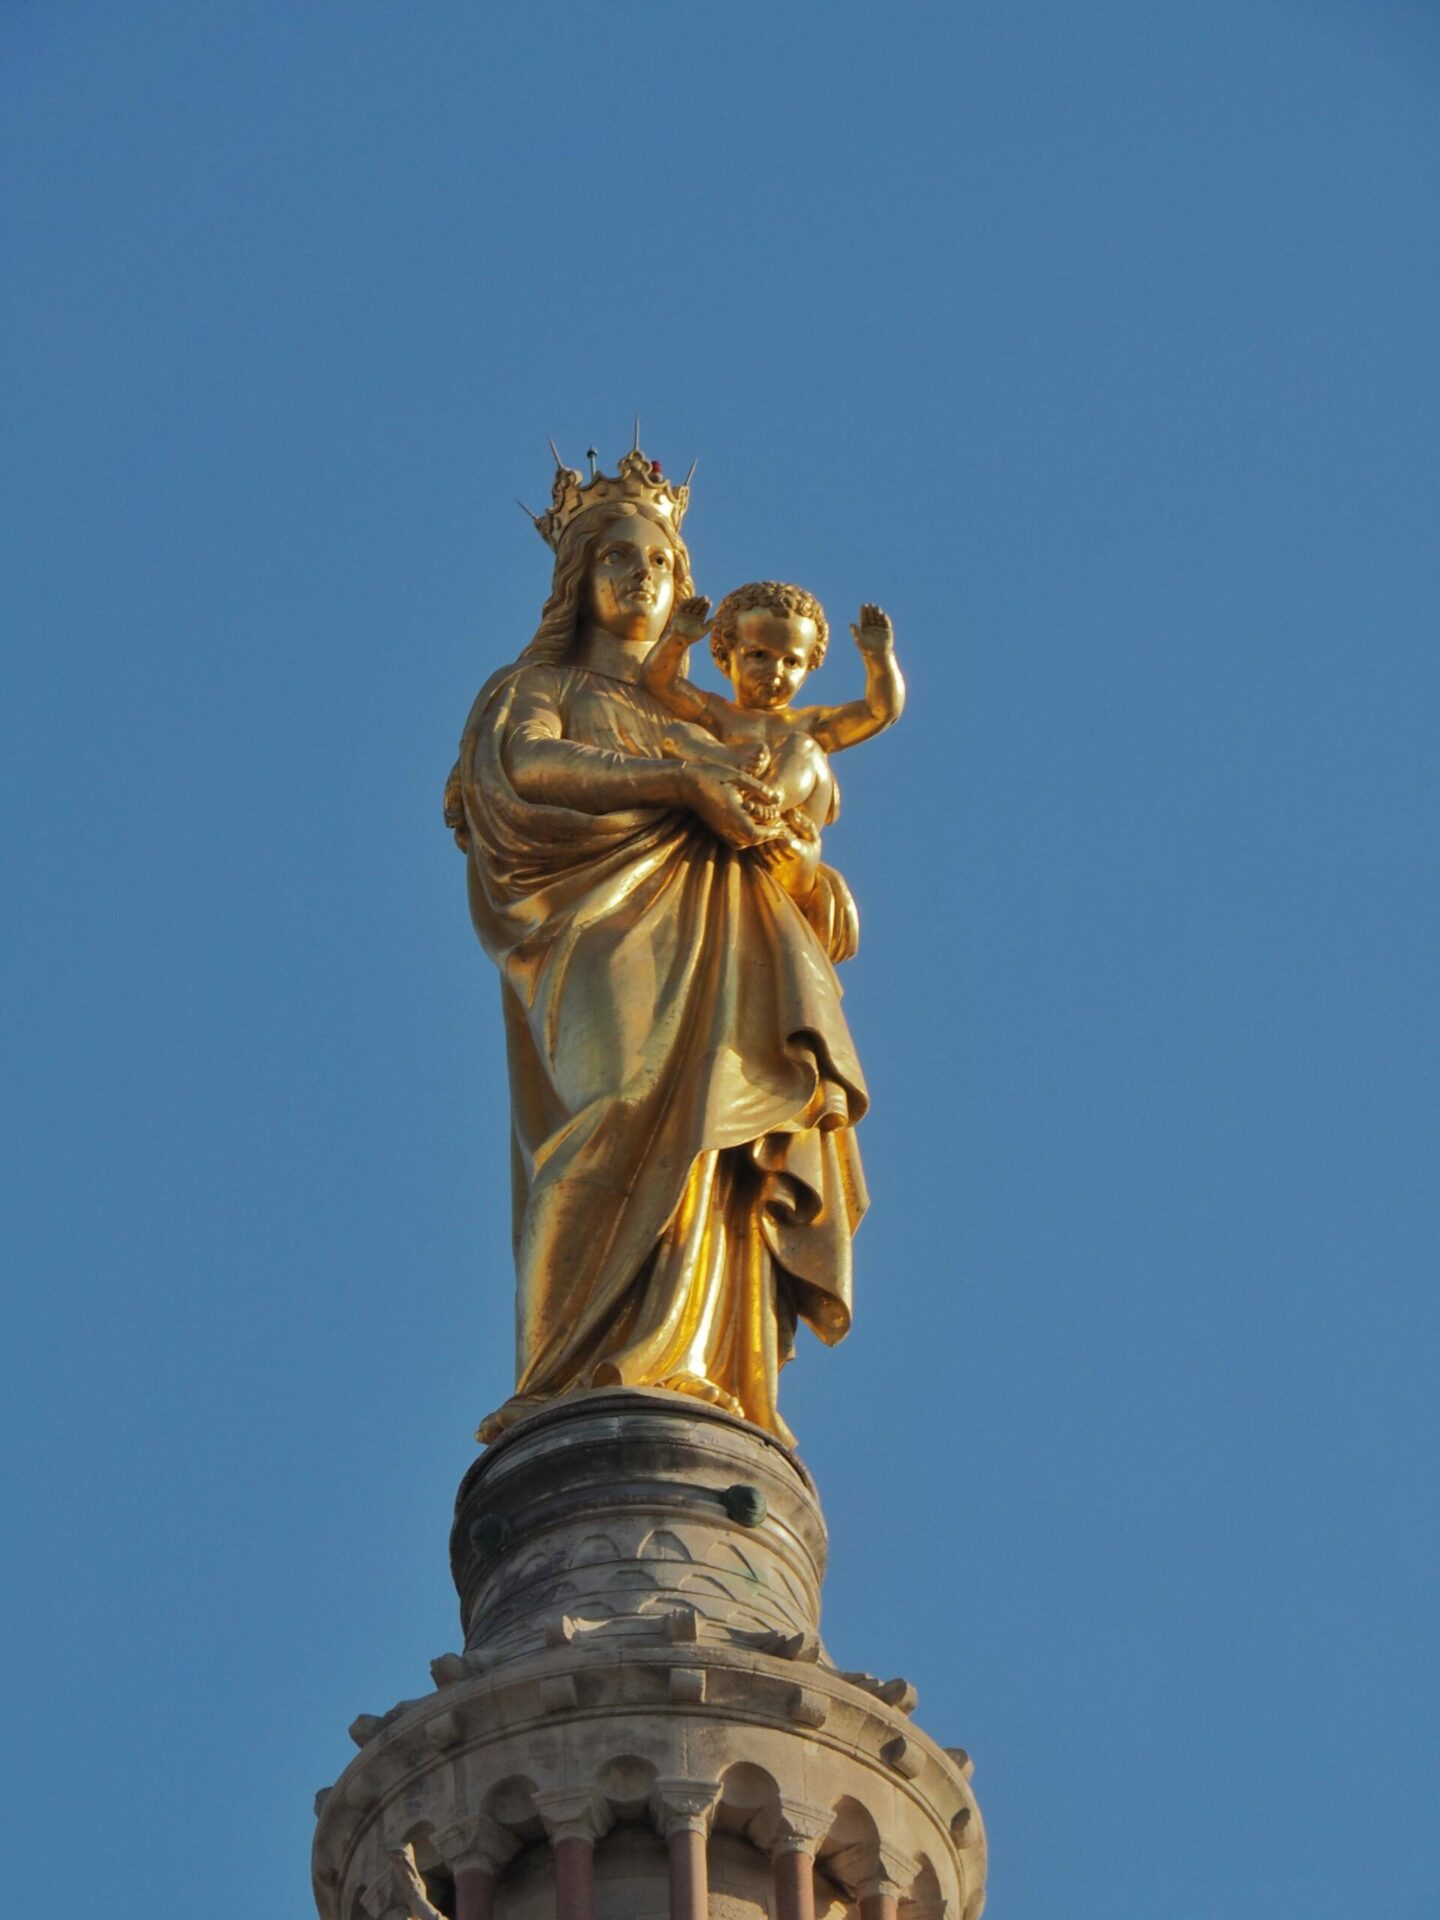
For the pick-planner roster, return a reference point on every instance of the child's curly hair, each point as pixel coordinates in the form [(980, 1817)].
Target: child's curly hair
[(779, 598)]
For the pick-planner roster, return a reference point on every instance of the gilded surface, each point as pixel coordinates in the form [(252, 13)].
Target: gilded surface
[(644, 870)]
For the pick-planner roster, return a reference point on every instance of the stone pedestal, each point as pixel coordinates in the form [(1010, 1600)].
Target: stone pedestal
[(620, 1512), (643, 1723)]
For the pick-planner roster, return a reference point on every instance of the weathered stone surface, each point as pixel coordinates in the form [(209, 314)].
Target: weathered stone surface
[(616, 1510), (637, 1659)]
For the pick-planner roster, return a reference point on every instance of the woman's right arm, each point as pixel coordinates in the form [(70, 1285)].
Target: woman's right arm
[(555, 772), (552, 771)]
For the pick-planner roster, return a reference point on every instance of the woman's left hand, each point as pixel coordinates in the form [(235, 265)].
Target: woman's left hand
[(732, 804)]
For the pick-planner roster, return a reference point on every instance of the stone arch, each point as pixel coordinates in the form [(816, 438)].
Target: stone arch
[(748, 1795), (662, 1544), (626, 1784), (431, 1865), (535, 1562), (708, 1583), (850, 1851), (633, 1578), (511, 1803), (595, 1549), (925, 1887), (924, 1898)]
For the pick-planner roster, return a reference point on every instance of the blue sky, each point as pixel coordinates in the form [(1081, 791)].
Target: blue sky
[(1098, 343)]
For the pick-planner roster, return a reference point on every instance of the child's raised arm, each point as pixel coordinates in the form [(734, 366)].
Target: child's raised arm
[(884, 701), (660, 674)]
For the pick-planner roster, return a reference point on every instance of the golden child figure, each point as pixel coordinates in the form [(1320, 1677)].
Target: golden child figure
[(767, 638)]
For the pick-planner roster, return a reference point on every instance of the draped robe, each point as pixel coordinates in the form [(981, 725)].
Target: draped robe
[(683, 1085)]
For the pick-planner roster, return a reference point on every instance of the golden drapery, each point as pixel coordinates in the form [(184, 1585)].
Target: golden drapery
[(683, 1084)]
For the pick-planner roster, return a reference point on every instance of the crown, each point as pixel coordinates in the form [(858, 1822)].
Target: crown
[(639, 482)]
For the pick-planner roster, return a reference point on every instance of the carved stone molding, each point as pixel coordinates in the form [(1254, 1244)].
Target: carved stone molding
[(799, 1827), (905, 1756), (652, 1716), (890, 1872), (806, 1707), (684, 1806), (573, 1813), (477, 1843)]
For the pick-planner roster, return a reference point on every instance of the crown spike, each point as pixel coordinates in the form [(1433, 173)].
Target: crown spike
[(554, 449), (525, 510), (638, 482), (691, 474)]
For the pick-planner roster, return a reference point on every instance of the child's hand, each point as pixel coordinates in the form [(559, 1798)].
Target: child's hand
[(875, 634), (691, 619), (793, 857)]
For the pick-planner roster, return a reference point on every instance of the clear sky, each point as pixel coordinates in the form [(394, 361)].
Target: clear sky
[(1098, 342)]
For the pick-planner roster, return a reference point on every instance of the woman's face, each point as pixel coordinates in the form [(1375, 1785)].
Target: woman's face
[(631, 588)]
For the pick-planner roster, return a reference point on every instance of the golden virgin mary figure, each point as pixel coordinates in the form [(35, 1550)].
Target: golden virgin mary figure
[(683, 1086)]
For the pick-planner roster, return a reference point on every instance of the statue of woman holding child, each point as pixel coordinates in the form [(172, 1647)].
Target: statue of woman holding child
[(644, 869)]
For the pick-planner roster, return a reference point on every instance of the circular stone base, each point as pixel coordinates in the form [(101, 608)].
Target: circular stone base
[(613, 1511)]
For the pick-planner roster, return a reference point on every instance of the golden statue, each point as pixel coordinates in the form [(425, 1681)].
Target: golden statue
[(644, 870)]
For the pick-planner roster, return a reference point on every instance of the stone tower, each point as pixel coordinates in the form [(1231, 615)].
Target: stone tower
[(644, 1723)]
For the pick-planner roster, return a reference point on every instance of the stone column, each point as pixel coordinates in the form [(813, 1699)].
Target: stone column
[(575, 1818), (883, 1883), (476, 1851), (801, 1829), (683, 1810)]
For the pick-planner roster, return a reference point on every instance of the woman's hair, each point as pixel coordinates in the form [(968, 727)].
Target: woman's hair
[(554, 640), (779, 598)]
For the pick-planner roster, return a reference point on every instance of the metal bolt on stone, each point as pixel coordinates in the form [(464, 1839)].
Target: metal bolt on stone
[(745, 1505)]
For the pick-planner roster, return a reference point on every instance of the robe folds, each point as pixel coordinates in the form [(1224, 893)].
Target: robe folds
[(683, 1085)]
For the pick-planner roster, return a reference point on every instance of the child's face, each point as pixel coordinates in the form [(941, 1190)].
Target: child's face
[(770, 656)]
